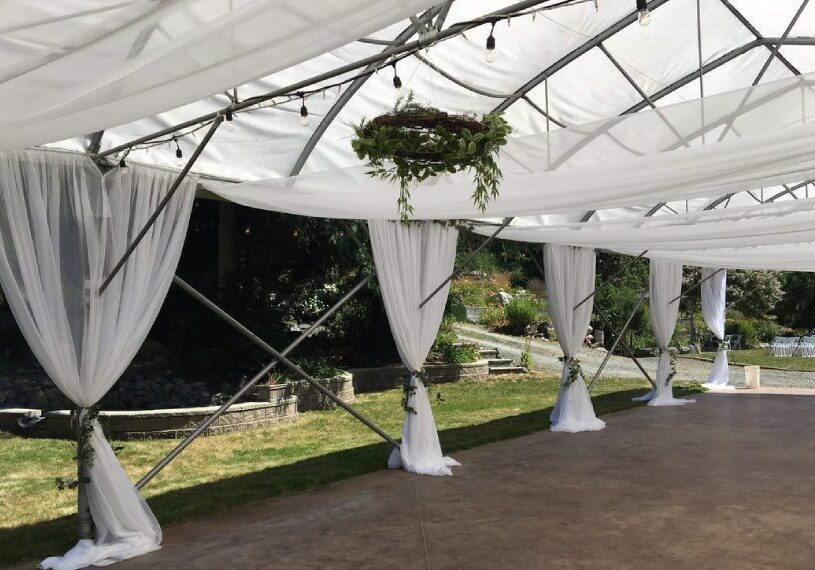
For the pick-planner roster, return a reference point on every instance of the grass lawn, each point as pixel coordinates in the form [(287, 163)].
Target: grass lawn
[(219, 472), (760, 357)]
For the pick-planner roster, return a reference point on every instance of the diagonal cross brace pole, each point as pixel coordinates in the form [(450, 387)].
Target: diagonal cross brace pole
[(609, 280), (693, 287), (626, 349), (622, 343), (470, 257), (163, 204), (280, 357), (616, 342)]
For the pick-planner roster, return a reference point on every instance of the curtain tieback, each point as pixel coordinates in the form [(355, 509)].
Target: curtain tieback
[(575, 370), (408, 389), (722, 345), (671, 366)]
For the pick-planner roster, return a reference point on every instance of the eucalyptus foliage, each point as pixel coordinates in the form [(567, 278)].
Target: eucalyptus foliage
[(415, 142)]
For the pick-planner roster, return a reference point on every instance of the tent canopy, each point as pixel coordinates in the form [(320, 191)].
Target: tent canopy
[(560, 66)]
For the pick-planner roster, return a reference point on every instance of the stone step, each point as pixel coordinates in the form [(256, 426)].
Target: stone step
[(489, 353), (499, 361), (512, 369)]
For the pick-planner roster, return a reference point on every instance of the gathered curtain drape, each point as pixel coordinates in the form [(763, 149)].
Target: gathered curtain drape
[(411, 261), (665, 285), (714, 288), (62, 227), (569, 273)]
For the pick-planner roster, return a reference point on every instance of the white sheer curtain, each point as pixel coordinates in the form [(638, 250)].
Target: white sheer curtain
[(713, 309), (665, 285), (411, 261), (62, 227), (569, 273)]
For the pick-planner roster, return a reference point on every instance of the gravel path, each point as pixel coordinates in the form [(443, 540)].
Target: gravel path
[(545, 355)]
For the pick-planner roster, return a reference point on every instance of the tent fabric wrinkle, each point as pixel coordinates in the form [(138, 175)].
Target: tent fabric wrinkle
[(714, 288), (63, 225), (411, 261), (569, 273)]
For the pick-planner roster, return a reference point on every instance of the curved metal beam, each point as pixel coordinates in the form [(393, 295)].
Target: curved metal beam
[(343, 100), (718, 62), (459, 82), (573, 55), (753, 30)]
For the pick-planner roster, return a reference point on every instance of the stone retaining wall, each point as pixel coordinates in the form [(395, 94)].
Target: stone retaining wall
[(387, 377), (310, 398), (169, 423)]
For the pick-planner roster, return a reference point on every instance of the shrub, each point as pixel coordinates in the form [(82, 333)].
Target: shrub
[(493, 318), (521, 313), (475, 292), (456, 308), (518, 279), (744, 328), (766, 330), (526, 355), (317, 367), (752, 331), (447, 350)]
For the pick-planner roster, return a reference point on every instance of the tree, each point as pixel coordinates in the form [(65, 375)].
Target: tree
[(797, 305)]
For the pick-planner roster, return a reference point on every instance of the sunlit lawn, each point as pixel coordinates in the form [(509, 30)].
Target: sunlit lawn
[(759, 356), (220, 472)]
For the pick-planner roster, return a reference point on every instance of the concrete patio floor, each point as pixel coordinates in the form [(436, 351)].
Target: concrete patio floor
[(723, 483)]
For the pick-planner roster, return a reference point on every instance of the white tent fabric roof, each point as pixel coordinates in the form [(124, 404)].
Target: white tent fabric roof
[(74, 67), (767, 133), (207, 46), (266, 143), (741, 226)]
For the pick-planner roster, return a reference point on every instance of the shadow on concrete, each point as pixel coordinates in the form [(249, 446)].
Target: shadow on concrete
[(55, 536)]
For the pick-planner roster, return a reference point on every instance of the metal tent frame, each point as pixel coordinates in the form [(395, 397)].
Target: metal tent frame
[(429, 27)]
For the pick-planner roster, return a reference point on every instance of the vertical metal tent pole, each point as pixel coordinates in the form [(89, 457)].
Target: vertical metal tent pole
[(470, 257), (701, 72), (280, 357), (163, 204), (616, 342), (84, 520)]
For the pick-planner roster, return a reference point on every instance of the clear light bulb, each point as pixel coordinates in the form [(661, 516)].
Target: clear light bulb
[(305, 120), (644, 17), (490, 57)]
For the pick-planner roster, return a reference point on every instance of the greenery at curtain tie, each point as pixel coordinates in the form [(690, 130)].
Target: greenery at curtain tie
[(722, 345), (408, 390), (85, 454), (414, 142), (575, 370), (671, 366)]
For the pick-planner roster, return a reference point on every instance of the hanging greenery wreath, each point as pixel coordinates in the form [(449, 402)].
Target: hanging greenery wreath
[(414, 142)]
